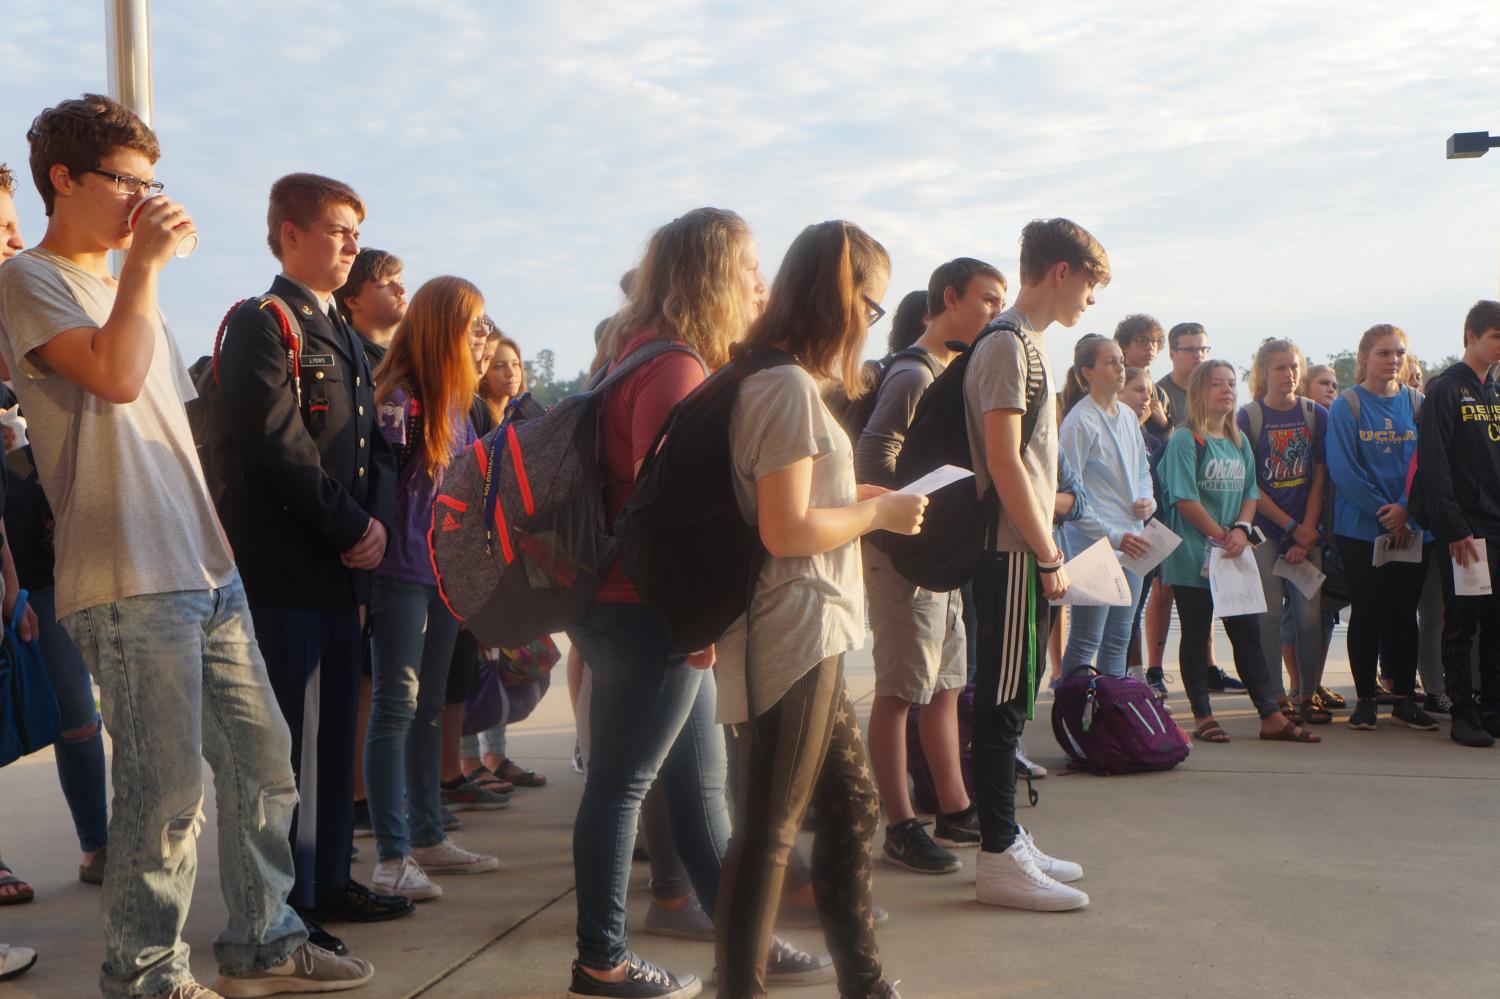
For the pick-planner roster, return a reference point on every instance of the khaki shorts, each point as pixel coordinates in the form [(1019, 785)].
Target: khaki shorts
[(920, 644)]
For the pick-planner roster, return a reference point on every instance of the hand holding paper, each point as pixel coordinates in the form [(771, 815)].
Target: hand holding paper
[(1304, 575), (1235, 584), (1095, 579), (1162, 541), (1473, 580), (935, 480)]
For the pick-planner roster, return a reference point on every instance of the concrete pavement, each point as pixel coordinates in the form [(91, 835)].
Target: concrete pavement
[(1361, 867)]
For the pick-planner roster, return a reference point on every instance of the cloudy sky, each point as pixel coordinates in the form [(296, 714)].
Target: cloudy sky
[(1264, 168)]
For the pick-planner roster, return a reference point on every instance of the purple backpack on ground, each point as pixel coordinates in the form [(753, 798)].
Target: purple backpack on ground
[(1115, 725)]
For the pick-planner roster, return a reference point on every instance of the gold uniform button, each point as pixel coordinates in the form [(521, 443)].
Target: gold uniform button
[(361, 473), (356, 381), (318, 375), (361, 442), (361, 411)]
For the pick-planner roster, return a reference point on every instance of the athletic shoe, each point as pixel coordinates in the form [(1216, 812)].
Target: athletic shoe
[(643, 980), (686, 922), (1012, 879), (958, 830), (309, 969), (362, 827), (1025, 767), (450, 821), (1156, 680), (1221, 682), (404, 877), (908, 845), (448, 857), (790, 966), (1058, 870), (1440, 705), (467, 796), (577, 760), (1406, 712), (1364, 714), (1466, 730)]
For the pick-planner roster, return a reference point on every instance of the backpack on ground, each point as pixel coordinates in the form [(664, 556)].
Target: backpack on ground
[(683, 540), (209, 438), (1115, 725), (853, 414), (946, 553), (518, 537)]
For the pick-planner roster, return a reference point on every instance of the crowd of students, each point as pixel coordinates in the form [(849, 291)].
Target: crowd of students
[(253, 585)]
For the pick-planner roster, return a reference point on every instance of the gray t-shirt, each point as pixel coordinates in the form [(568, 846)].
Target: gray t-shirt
[(880, 443), (1177, 406), (804, 609), (996, 379), (133, 514)]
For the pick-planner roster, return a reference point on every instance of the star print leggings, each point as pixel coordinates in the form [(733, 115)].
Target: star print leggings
[(806, 750)]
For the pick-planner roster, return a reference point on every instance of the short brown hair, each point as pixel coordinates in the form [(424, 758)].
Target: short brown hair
[(1045, 243), (1175, 335), (299, 198), (79, 134), (1484, 316), (7, 179), (956, 274), (1132, 326), (369, 265)]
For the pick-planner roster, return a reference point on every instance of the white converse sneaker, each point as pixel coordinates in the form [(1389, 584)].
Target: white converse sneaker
[(403, 877), (448, 857), (1058, 870), (1011, 879)]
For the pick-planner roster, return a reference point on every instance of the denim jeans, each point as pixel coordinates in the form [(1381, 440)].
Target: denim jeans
[(649, 712), (80, 762), (181, 679), (414, 636), (490, 742), (1100, 636), (1285, 602)]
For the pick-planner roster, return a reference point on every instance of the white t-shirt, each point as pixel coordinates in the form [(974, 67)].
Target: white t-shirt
[(804, 609), (133, 513)]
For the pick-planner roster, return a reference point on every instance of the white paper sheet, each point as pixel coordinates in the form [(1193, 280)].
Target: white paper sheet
[(1162, 541), (935, 480), (1235, 584), (1095, 579), (1386, 551), (1304, 575), (1473, 580)]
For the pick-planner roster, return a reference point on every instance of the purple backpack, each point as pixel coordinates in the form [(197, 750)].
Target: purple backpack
[(1115, 725)]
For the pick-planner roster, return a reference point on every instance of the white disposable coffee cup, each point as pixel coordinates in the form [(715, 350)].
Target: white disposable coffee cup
[(185, 247)]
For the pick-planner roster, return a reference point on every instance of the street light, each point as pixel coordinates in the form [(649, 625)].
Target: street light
[(1470, 145)]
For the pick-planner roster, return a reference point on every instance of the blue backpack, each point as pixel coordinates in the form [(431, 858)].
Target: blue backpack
[(29, 718), (1115, 725)]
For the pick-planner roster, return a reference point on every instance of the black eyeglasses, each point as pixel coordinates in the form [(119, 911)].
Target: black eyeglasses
[(873, 311), (126, 184), (1151, 341)]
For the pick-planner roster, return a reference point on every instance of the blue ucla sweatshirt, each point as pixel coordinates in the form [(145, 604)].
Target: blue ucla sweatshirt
[(1367, 463)]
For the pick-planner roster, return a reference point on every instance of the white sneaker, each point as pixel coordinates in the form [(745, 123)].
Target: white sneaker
[(448, 857), (403, 877), (1058, 870), (1024, 765), (1011, 879)]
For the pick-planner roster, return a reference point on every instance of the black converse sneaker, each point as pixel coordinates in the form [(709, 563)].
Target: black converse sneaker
[(958, 829), (908, 845), (643, 980), (789, 966)]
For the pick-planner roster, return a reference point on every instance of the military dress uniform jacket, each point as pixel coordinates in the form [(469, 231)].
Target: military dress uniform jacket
[(301, 482)]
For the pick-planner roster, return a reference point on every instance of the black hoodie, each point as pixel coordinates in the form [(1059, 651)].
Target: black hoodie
[(1458, 457)]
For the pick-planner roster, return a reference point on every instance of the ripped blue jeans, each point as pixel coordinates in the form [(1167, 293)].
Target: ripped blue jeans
[(181, 680)]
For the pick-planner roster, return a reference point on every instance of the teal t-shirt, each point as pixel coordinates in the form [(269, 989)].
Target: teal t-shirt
[(1221, 483)]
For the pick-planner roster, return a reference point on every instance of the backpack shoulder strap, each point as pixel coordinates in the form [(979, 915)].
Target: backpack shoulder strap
[(1352, 398), (1036, 382), (1256, 417), (1310, 417), (605, 378), (1415, 399), (1200, 445)]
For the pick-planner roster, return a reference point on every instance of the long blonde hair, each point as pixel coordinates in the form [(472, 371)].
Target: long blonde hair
[(1200, 421), (429, 359), (687, 287), (1304, 387), (1269, 346), (1367, 342)]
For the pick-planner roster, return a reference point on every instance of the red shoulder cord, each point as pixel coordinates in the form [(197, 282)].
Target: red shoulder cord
[(289, 343)]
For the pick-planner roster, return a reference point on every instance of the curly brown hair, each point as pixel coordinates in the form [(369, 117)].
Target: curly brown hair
[(7, 179), (78, 134)]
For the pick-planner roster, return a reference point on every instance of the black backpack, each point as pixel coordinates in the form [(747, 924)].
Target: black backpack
[(682, 539), (945, 554), (853, 414)]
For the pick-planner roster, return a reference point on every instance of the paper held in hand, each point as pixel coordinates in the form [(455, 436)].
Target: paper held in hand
[(1385, 550), (1473, 580), (1095, 579), (1235, 584), (1162, 541), (935, 480), (1304, 575)]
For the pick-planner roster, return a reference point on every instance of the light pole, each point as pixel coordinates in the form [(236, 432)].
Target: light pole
[(1471, 145), (128, 38)]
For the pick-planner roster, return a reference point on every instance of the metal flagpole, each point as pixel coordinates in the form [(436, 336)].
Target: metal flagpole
[(128, 42)]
